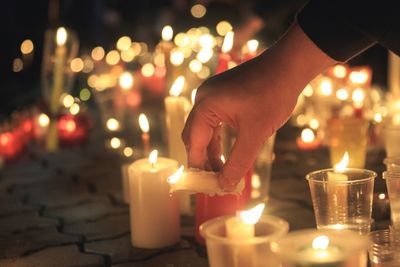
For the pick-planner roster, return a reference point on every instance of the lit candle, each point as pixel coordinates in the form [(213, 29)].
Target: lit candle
[(41, 125), (177, 108), (9, 146), (394, 73), (250, 50), (154, 213), (145, 128), (242, 228), (307, 140), (199, 181), (337, 193), (58, 85), (224, 57)]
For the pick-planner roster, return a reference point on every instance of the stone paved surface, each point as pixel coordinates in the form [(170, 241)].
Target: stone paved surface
[(65, 208)]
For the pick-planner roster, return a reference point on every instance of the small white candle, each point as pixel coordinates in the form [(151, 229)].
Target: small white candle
[(177, 108), (199, 181), (154, 213)]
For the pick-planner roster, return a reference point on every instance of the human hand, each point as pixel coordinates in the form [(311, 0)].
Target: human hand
[(255, 98)]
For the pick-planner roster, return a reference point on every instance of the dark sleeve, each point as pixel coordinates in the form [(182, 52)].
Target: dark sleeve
[(345, 28)]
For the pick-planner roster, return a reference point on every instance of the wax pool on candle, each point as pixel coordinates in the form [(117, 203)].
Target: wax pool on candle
[(154, 212)]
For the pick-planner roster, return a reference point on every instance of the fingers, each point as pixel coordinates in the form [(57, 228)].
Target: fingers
[(214, 150), (198, 133), (241, 158)]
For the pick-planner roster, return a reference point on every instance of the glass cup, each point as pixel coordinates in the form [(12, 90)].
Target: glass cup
[(393, 187), (392, 164), (348, 135), (391, 135), (251, 252), (342, 249), (342, 199), (384, 250)]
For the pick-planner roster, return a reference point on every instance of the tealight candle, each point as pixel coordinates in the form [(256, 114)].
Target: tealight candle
[(154, 212)]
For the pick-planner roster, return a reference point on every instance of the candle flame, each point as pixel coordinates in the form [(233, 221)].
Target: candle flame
[(359, 77), (167, 33), (153, 157), (252, 215), (112, 124), (115, 142), (177, 86), (61, 37), (307, 135), (222, 157), (174, 178), (382, 196), (228, 42), (43, 120), (358, 95), (343, 163), (326, 88), (144, 123), (126, 80), (342, 94), (320, 242), (252, 45), (339, 71)]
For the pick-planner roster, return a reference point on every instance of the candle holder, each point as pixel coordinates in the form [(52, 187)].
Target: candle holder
[(339, 249), (223, 251), (384, 250), (344, 203), (60, 47), (392, 164), (391, 135), (348, 134), (393, 187)]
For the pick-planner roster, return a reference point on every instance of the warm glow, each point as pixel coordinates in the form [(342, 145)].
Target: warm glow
[(167, 33), (359, 77), (18, 65), (128, 55), (124, 43), (174, 178), (223, 27), (342, 94), (43, 120), (320, 242), (204, 73), (207, 41), (326, 88), (339, 71), (177, 86), (342, 165), (358, 95), (98, 53), (159, 60), (195, 65), (74, 109), (255, 181), (148, 70), (76, 64), (396, 119), (193, 96), (228, 42), (87, 65), (61, 37), (301, 120), (205, 55), (307, 135), (198, 11), (128, 152), (177, 57), (112, 124), (181, 39), (222, 157), (308, 91), (378, 117), (70, 126), (68, 100), (126, 80), (112, 57), (382, 196), (252, 45), (26, 46), (231, 64), (314, 124), (144, 123), (252, 216), (115, 142), (153, 157)]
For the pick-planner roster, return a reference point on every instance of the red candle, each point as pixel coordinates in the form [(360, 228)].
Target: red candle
[(208, 207), (224, 58), (10, 146), (307, 141), (250, 50), (71, 129)]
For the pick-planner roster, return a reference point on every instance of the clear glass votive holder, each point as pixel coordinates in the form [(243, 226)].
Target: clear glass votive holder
[(339, 249), (392, 164), (393, 187), (391, 135), (252, 252), (342, 199), (348, 135), (384, 250)]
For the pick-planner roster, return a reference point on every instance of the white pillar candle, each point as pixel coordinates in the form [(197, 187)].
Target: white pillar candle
[(154, 213), (240, 228), (199, 181), (177, 108), (394, 73)]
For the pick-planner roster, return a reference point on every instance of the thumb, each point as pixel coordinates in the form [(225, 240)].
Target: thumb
[(241, 159)]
